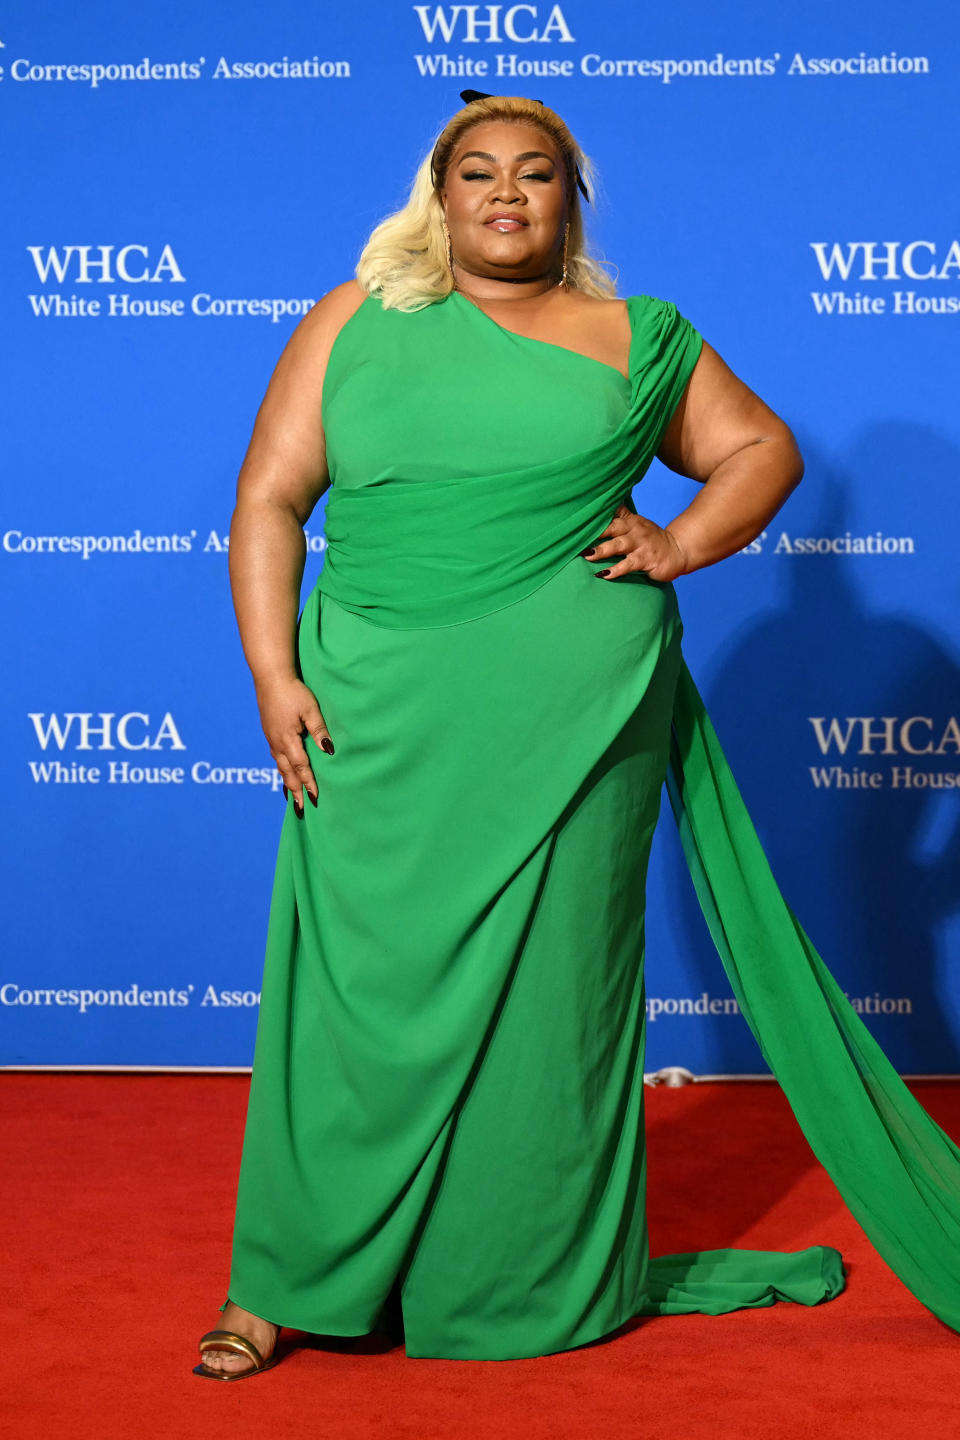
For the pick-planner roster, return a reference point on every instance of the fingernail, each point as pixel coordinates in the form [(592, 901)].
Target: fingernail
[(587, 553), (327, 744), (298, 809), (601, 573), (312, 798), (284, 792)]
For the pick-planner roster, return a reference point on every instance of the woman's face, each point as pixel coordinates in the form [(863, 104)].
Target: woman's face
[(505, 201)]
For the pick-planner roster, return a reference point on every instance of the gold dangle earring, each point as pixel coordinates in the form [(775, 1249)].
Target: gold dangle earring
[(566, 237), (449, 248)]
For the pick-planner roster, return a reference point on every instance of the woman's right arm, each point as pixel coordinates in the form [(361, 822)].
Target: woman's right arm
[(282, 477)]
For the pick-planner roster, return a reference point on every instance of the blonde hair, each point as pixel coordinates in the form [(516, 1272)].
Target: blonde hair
[(405, 262)]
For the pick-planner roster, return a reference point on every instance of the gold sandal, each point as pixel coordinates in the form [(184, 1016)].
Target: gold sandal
[(240, 1345)]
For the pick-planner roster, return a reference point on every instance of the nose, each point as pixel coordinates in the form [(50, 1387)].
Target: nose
[(507, 191)]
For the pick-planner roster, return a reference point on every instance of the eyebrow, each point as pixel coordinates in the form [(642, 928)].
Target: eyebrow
[(527, 155)]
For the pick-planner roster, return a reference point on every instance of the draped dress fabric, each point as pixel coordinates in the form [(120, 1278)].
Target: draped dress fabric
[(447, 1092)]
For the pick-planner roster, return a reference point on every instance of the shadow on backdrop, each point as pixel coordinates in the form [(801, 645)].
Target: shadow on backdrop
[(871, 874)]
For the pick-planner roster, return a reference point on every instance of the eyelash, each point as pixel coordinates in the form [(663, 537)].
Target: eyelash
[(483, 175)]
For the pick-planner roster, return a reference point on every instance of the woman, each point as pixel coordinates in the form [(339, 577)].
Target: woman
[(446, 1109)]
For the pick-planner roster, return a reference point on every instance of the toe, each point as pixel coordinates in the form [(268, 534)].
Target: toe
[(234, 1363), (225, 1360)]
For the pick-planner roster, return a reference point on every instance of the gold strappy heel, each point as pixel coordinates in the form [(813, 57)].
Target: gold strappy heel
[(240, 1345)]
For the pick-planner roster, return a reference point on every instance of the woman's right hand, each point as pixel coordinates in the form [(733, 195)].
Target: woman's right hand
[(288, 711)]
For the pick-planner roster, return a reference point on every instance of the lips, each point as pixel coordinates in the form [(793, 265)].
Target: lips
[(505, 223)]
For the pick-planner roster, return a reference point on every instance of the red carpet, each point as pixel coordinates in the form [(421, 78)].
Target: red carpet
[(116, 1214)]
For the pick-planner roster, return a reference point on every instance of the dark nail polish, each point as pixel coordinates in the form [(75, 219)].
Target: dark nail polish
[(327, 744), (600, 574), (587, 553), (284, 792), (298, 810), (311, 798)]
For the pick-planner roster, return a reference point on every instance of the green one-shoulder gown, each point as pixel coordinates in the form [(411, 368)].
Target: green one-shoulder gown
[(447, 1092)]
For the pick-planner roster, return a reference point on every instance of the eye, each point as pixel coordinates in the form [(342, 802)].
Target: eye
[(485, 175)]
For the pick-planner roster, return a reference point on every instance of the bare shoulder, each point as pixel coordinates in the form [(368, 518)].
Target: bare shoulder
[(312, 340), (287, 452), (335, 308), (293, 399)]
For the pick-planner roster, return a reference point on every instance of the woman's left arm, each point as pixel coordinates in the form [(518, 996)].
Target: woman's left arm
[(746, 459)]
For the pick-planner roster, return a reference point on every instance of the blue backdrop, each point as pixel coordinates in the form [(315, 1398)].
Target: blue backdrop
[(184, 183)]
